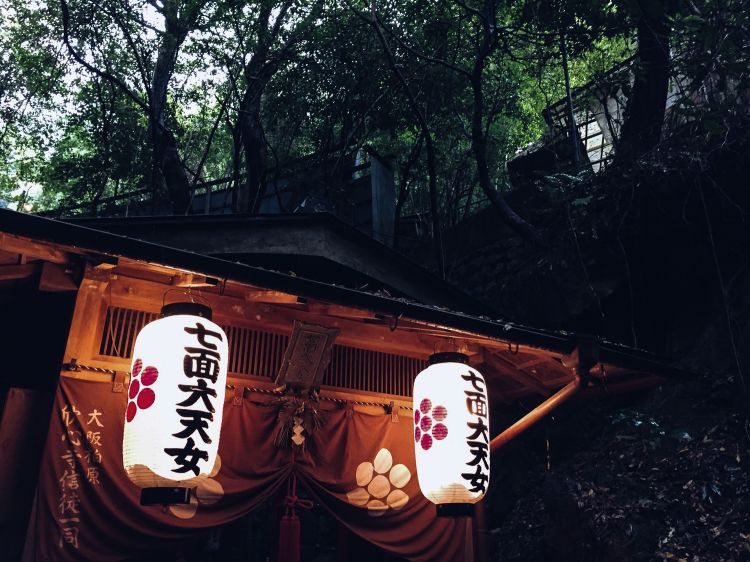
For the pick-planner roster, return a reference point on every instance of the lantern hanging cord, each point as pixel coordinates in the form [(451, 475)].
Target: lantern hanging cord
[(393, 324), (188, 291)]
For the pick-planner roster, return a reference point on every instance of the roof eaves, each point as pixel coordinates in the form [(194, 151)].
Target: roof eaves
[(325, 220), (88, 239)]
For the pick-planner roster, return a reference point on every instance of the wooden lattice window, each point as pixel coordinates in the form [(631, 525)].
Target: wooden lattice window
[(258, 354)]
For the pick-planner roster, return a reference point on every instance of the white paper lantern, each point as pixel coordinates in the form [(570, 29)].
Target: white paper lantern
[(451, 432), (175, 398)]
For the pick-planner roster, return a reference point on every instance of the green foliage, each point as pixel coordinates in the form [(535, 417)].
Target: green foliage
[(75, 137), (96, 155), (711, 58)]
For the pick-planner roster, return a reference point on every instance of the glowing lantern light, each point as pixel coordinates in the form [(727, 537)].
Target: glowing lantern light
[(451, 433), (175, 403)]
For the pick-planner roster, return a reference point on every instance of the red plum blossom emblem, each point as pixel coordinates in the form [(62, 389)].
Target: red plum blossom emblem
[(428, 425), (139, 393)]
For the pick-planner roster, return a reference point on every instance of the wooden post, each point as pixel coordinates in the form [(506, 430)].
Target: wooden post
[(88, 314), (481, 544), (383, 200), (207, 201)]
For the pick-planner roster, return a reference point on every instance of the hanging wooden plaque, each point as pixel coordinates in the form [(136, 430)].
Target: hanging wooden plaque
[(306, 356)]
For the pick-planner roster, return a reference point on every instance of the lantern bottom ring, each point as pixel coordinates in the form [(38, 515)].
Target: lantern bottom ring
[(455, 509), (165, 496)]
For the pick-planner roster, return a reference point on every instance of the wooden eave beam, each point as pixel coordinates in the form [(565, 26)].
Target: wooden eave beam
[(412, 338), (447, 336), (38, 250), (268, 296), (532, 363), (146, 295), (360, 327), (583, 358), (507, 368), (193, 280), (55, 278), (324, 309), (52, 277), (17, 271), (622, 385)]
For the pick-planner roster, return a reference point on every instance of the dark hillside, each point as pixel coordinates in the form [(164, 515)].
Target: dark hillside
[(655, 255), (643, 255), (665, 475)]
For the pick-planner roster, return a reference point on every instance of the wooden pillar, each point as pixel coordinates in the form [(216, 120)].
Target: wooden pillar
[(23, 428), (383, 200), (88, 316), (481, 535)]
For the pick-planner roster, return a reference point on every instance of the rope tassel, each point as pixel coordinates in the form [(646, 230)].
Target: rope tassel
[(289, 526)]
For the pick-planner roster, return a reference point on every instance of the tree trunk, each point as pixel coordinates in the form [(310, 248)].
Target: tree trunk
[(234, 130), (172, 171), (253, 146), (163, 70), (272, 22), (486, 43), (165, 151), (437, 235), (403, 188), (479, 147), (644, 114), (166, 162)]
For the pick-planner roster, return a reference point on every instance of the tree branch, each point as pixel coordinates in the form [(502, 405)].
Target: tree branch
[(431, 165), (210, 140), (91, 68), (138, 59), (473, 11), (420, 55)]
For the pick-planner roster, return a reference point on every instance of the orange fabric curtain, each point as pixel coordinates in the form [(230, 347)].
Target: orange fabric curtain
[(359, 467)]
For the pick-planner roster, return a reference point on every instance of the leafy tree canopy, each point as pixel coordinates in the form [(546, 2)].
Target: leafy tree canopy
[(158, 96)]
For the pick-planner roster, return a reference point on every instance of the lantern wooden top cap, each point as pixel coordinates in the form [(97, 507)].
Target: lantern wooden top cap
[(448, 357), (188, 308)]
